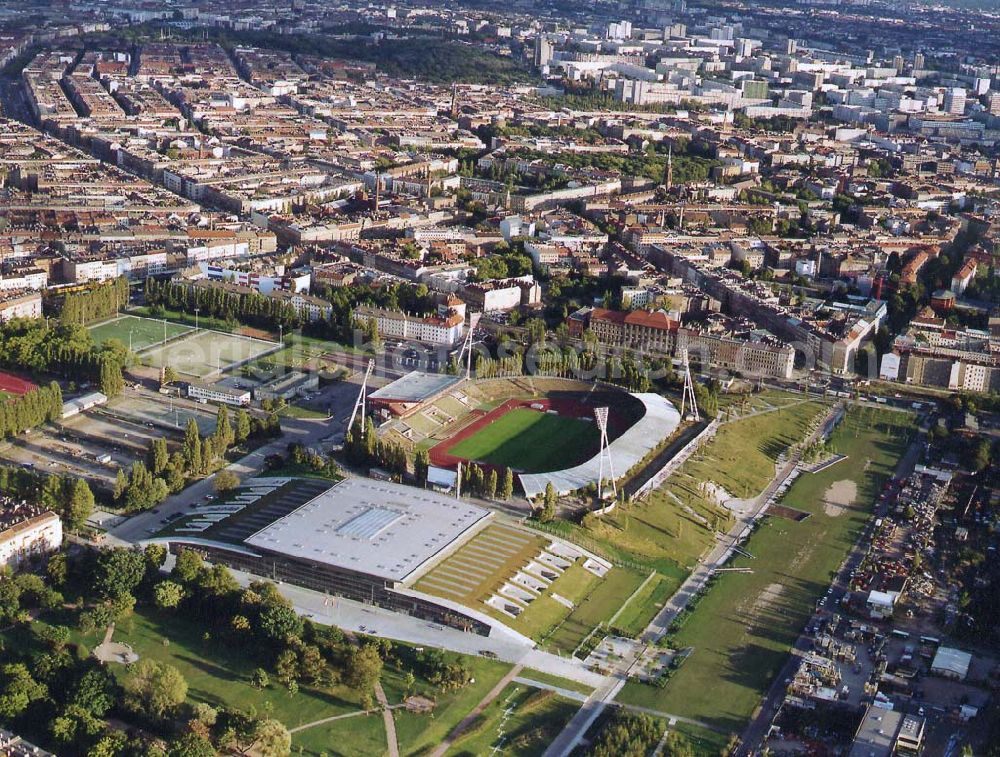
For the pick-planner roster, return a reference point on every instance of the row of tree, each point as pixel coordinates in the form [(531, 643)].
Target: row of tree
[(101, 300), (40, 405)]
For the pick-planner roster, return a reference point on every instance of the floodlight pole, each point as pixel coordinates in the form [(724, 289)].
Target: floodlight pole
[(687, 395), (359, 404), (601, 416)]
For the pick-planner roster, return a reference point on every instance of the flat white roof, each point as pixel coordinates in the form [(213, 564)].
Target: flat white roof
[(374, 527), (952, 660)]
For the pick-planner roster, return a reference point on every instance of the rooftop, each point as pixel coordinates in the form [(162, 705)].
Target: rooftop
[(415, 387), (373, 527)]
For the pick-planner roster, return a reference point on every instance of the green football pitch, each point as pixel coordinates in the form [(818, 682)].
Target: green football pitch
[(141, 333), (530, 441)]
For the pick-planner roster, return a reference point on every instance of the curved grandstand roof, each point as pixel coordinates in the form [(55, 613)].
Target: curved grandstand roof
[(660, 420)]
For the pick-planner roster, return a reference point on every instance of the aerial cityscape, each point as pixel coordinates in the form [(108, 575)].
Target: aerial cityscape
[(617, 378)]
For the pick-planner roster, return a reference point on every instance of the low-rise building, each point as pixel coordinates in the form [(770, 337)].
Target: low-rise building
[(227, 395)]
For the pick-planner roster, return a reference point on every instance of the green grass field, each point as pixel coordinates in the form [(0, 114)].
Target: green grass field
[(361, 736), (521, 722), (530, 441), (743, 628), (145, 332), (596, 607), (642, 608)]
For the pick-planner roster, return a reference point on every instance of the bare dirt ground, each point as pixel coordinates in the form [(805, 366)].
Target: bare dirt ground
[(839, 497)]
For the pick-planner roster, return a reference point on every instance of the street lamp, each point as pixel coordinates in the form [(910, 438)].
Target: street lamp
[(196, 311)]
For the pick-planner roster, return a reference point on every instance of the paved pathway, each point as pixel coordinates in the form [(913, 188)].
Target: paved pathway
[(390, 723), (469, 719), (324, 721)]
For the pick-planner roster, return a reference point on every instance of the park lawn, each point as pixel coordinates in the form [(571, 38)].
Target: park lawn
[(145, 331), (643, 607), (520, 722), (530, 441), (218, 673), (416, 732), (743, 628), (361, 736), (597, 607)]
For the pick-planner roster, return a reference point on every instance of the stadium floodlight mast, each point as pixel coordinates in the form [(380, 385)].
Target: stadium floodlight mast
[(687, 396), (601, 416), (466, 350), (361, 401)]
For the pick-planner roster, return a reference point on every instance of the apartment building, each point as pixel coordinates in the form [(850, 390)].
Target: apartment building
[(20, 304), (29, 535), (650, 331), (444, 328)]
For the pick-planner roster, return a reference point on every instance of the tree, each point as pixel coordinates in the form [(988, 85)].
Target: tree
[(191, 745), (188, 566), (80, 504), (280, 623), (508, 484), (259, 679), (421, 464), (223, 428), (118, 571), (95, 691), (121, 484), (242, 431), (490, 489), (158, 456), (286, 666), (17, 690), (191, 446), (273, 739), (168, 594), (225, 481), (154, 689), (548, 511), (364, 667), (170, 375)]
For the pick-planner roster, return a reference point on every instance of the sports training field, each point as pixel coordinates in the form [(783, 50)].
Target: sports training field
[(145, 332), (205, 352), (188, 351), (530, 441)]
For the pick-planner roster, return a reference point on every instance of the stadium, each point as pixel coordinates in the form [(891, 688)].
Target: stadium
[(543, 429), (406, 549)]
